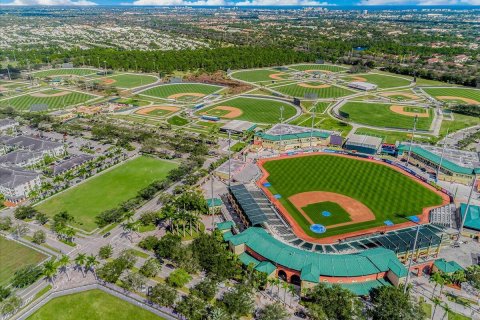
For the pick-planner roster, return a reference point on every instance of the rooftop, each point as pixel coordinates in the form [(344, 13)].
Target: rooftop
[(447, 266), (7, 122), (288, 131), (472, 221), (12, 177), (363, 140), (30, 143), (238, 126), (362, 84), (71, 163), (19, 157)]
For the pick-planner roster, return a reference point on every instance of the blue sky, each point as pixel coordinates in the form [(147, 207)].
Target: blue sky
[(238, 2)]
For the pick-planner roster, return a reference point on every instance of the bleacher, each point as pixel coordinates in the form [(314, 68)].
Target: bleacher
[(444, 216)]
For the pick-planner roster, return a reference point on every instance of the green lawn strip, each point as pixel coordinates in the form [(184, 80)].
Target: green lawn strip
[(146, 228), (295, 90), (393, 136), (238, 146), (129, 80), (140, 254), (42, 292), (14, 256), (338, 214), (177, 121), (255, 75), (457, 316), (255, 109), (92, 304), (375, 185), (63, 72), (107, 190), (427, 308), (454, 92), (426, 82), (379, 115), (166, 90), (24, 102)]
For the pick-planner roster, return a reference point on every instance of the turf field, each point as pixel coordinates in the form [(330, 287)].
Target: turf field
[(338, 214), (14, 256), (54, 101), (64, 72), (380, 115), (174, 91), (252, 109), (389, 194), (381, 80), (320, 67), (107, 190), (297, 90), (471, 94), (258, 75), (89, 305), (129, 80)]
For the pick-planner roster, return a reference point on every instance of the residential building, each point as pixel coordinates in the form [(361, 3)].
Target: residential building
[(45, 147), (16, 183), (21, 158)]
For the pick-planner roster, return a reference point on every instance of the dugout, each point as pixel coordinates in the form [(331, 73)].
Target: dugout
[(363, 144)]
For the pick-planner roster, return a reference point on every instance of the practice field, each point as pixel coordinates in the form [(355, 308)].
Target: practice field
[(107, 190), (128, 80), (455, 95), (376, 191), (89, 305), (259, 75), (381, 80), (250, 109), (387, 115), (14, 256), (318, 67), (320, 89), (64, 72), (182, 91), (51, 98)]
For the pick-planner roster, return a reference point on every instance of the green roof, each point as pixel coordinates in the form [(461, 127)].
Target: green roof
[(363, 288), (261, 266), (247, 259), (265, 267), (291, 136), (311, 264), (227, 235), (446, 164), (447, 266), (472, 221), (225, 225), (215, 203)]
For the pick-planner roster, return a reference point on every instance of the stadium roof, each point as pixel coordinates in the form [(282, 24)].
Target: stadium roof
[(472, 221), (363, 288), (364, 140), (248, 204), (262, 266), (239, 126), (362, 85), (282, 131), (447, 266), (313, 265), (446, 164), (227, 225)]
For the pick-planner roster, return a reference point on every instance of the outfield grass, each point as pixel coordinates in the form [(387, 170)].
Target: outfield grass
[(324, 122), (256, 75), (393, 136), (64, 72), (338, 214), (253, 109), (24, 102), (382, 81), (89, 305), (14, 256), (295, 90), (325, 67), (130, 80), (379, 115), (107, 190), (468, 93), (389, 194), (167, 90)]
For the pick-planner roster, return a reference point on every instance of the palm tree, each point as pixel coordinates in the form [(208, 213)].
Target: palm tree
[(129, 216), (50, 270), (436, 302), (277, 284), (91, 263), (69, 233), (80, 261), (436, 278), (447, 310), (64, 263), (285, 288), (271, 282), (291, 289)]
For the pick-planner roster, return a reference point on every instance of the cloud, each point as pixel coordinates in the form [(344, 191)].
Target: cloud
[(227, 2), (50, 3), (419, 2), (178, 3), (282, 3)]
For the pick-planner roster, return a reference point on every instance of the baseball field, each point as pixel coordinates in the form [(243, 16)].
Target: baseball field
[(157, 111), (455, 95), (128, 80), (320, 89), (64, 72), (51, 98), (368, 193), (107, 190), (181, 91), (387, 115), (381, 80), (250, 109), (259, 75), (318, 67)]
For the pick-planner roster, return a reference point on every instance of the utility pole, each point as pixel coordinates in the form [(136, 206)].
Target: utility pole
[(211, 203), (441, 156), (281, 134), (411, 139), (411, 259), (468, 206), (313, 122), (229, 158)]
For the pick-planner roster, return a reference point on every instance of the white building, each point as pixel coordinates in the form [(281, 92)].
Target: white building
[(16, 183), (45, 147), (360, 85), (21, 158)]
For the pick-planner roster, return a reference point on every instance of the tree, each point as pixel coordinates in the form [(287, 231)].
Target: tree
[(5, 223), (436, 302), (133, 281), (217, 313), (472, 275), (168, 246), (178, 278), (64, 263), (274, 311), (335, 302), (192, 308), (20, 230), (39, 237), (205, 289), (439, 278), (11, 305), (50, 270), (25, 212), (149, 243), (150, 268), (447, 310), (105, 252), (80, 261), (239, 302), (392, 303), (91, 263), (163, 295), (41, 218), (4, 293), (26, 276), (148, 218)]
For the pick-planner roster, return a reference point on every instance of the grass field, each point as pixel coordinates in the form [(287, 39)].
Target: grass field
[(257, 75), (323, 121), (106, 190), (394, 136), (473, 94), (379, 115), (14, 256), (338, 214), (389, 194), (177, 121), (325, 67), (381, 80), (253, 109), (64, 72), (24, 102), (168, 91), (129, 80), (296, 90), (89, 305)]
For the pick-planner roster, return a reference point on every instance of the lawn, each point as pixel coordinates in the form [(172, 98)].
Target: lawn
[(338, 214), (380, 115), (320, 67), (296, 90), (253, 109), (258, 75), (168, 91), (64, 72), (473, 94), (92, 304), (324, 122), (24, 102), (14, 256), (107, 190), (381, 80), (389, 194), (393, 136), (130, 80), (177, 121)]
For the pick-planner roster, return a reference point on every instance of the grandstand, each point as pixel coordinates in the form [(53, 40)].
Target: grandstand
[(443, 216)]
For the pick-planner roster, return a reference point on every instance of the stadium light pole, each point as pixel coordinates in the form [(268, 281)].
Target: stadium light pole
[(281, 134), (411, 259), (441, 156), (468, 207), (313, 122), (411, 139)]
